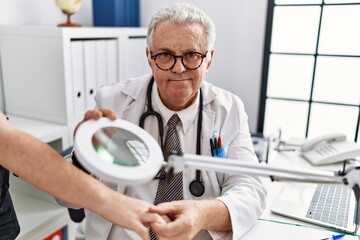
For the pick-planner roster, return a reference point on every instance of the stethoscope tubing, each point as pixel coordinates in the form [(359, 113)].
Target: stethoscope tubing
[(196, 187)]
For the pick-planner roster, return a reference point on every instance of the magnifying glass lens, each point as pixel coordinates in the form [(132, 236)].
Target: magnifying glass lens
[(120, 147)]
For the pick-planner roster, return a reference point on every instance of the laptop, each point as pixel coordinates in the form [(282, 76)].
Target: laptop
[(331, 206)]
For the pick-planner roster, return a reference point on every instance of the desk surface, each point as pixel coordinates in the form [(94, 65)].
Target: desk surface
[(282, 231), (292, 160)]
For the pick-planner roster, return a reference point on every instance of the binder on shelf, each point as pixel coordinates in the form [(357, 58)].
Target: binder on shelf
[(90, 73), (101, 64), (111, 61), (78, 77)]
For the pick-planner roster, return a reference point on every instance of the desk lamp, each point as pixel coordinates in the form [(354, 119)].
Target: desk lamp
[(120, 152), (349, 177)]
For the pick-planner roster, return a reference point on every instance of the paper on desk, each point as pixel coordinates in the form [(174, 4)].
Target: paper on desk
[(283, 231)]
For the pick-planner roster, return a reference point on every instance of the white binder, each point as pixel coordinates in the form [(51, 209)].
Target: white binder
[(111, 61), (78, 77), (90, 73), (101, 70)]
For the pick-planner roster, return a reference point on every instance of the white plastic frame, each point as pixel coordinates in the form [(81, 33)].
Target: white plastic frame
[(113, 173)]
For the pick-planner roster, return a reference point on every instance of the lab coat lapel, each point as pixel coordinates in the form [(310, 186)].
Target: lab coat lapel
[(137, 93), (209, 177), (207, 130), (134, 110), (138, 106), (208, 121)]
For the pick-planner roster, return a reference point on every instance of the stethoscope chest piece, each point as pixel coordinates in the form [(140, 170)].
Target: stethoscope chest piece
[(197, 188)]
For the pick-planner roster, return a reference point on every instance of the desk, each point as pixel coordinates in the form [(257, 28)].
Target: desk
[(268, 220), (292, 160), (283, 231)]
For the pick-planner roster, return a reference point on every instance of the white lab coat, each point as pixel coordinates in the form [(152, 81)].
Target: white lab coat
[(223, 112)]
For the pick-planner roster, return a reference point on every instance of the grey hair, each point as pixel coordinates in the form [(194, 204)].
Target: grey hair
[(183, 13)]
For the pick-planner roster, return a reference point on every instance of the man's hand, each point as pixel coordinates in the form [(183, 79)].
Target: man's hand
[(130, 213), (191, 217), (187, 221), (95, 114)]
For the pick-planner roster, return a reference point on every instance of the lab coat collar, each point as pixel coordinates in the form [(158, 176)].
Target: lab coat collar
[(187, 115), (208, 93), (135, 90)]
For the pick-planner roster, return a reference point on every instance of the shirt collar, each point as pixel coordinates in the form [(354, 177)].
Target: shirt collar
[(187, 115)]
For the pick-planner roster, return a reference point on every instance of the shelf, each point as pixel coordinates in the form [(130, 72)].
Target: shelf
[(61, 69), (45, 131)]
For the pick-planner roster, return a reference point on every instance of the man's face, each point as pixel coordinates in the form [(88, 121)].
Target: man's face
[(178, 86)]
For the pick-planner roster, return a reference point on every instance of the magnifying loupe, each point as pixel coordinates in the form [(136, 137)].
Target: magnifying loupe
[(118, 152)]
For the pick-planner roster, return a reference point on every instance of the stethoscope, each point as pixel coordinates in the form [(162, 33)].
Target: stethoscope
[(196, 187)]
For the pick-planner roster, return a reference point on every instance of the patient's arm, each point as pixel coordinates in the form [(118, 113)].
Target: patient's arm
[(44, 168)]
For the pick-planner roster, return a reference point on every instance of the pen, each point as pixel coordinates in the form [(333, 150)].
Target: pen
[(212, 147), (216, 145), (333, 237), (219, 142)]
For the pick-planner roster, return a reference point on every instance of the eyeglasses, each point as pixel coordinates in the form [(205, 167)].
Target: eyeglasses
[(166, 61)]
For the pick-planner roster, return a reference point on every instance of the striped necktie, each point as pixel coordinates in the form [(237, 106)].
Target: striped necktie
[(172, 190)]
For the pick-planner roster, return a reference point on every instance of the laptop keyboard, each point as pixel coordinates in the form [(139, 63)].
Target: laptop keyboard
[(330, 204)]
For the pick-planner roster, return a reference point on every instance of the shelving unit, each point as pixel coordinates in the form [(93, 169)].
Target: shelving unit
[(50, 76)]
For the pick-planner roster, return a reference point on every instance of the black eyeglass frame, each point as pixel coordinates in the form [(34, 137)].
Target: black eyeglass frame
[(202, 55)]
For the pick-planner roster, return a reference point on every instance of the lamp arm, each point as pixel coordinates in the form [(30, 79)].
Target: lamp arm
[(177, 163), (349, 177)]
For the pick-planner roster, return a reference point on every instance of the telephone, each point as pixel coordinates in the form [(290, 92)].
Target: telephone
[(330, 148)]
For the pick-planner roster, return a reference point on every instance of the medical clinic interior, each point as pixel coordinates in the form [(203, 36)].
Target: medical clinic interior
[(295, 65)]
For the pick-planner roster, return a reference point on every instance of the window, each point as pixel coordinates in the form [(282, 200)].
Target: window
[(311, 71)]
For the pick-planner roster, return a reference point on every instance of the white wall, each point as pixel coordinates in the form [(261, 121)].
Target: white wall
[(240, 28), (238, 49), (38, 12)]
